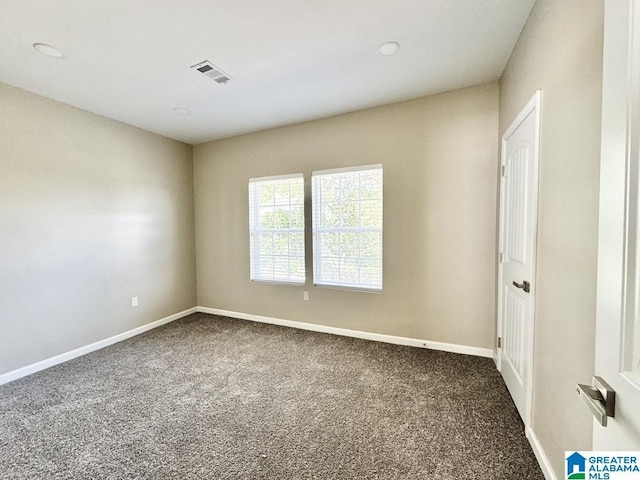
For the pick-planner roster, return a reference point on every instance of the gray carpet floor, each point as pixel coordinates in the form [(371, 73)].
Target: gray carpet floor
[(210, 397)]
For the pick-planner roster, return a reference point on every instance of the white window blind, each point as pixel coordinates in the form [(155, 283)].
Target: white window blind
[(276, 229), (347, 227)]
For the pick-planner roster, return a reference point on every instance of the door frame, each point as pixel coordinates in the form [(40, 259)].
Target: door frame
[(532, 106)]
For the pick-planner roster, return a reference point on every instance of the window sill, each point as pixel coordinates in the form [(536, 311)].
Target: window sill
[(348, 288), (276, 282)]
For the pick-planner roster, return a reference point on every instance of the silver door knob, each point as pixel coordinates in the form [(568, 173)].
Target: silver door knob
[(600, 398), (526, 286)]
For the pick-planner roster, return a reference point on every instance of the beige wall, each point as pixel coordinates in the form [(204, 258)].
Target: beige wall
[(560, 52), (440, 165), (92, 212)]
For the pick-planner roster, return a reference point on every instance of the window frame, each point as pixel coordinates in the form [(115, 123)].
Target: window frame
[(317, 231), (255, 230)]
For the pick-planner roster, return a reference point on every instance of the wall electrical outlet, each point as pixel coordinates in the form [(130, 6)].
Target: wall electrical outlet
[(134, 301), (305, 295)]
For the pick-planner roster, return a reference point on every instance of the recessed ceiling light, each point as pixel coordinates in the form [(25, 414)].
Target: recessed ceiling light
[(388, 48), (48, 50), (181, 111)]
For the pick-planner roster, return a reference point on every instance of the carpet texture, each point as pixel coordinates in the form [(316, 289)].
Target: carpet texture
[(210, 397)]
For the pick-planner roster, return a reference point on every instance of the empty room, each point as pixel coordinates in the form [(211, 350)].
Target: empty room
[(319, 240)]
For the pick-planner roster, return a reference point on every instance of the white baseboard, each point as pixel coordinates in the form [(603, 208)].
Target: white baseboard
[(543, 460), (378, 337), (63, 357), (412, 342), (545, 465)]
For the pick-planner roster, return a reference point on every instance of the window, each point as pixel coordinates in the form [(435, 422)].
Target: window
[(276, 229), (347, 227)]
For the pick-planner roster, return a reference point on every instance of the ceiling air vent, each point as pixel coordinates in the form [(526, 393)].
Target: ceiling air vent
[(210, 70)]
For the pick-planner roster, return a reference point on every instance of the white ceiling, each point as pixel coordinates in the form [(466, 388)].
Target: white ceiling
[(291, 60)]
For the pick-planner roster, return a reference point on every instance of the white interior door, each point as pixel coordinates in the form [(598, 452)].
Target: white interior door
[(618, 302), (516, 271)]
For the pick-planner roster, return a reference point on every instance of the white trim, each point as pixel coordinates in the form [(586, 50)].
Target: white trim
[(376, 337), (319, 230), (256, 230), (541, 456), (532, 106), (350, 288), (356, 168), (289, 283), (78, 352), (276, 177), (545, 465)]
